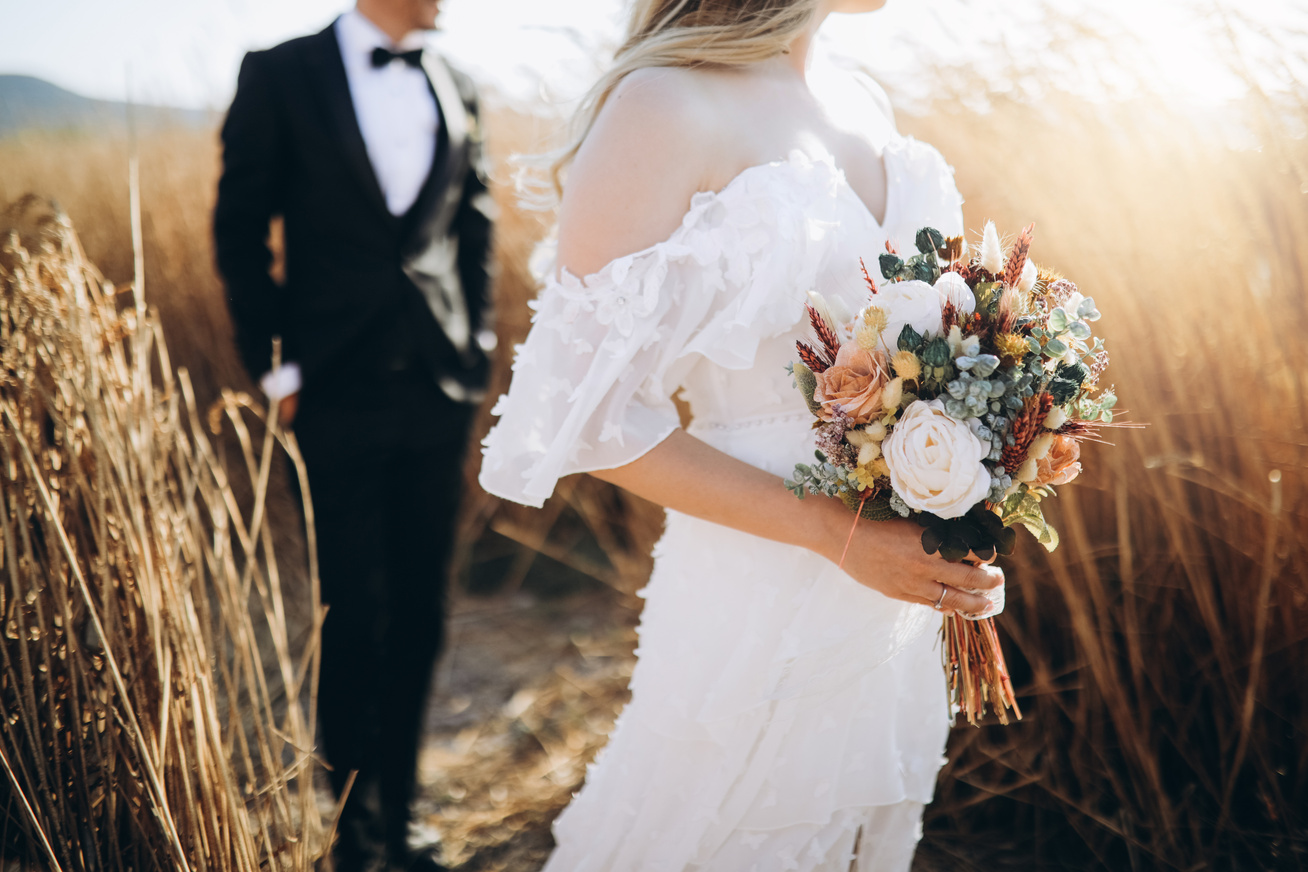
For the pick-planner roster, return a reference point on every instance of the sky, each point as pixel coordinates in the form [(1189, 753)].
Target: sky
[(186, 52)]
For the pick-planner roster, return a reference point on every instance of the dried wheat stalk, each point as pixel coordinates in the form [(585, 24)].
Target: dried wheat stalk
[(159, 714)]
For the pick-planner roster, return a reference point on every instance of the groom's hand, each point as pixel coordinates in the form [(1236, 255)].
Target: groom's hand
[(286, 409)]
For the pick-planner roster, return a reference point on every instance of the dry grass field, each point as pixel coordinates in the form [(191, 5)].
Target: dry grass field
[(1159, 654)]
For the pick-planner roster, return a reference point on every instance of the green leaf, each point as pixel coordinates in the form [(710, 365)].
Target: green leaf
[(1024, 508), (806, 381), (1048, 537), (1055, 348), (968, 536), (1007, 541), (932, 539), (1033, 345), (1058, 320), (953, 551)]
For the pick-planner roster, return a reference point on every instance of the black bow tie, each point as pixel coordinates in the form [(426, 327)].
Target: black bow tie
[(383, 56)]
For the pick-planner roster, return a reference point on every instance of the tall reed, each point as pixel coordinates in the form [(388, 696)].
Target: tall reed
[(159, 708), (1159, 652)]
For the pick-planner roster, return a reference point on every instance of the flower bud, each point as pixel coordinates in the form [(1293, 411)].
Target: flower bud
[(869, 452), (906, 364), (1029, 275), (875, 317), (893, 394), (992, 256)]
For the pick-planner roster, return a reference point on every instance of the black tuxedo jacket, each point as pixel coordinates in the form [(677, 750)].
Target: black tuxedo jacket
[(363, 287)]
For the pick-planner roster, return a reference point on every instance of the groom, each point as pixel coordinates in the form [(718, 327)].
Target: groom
[(368, 146)]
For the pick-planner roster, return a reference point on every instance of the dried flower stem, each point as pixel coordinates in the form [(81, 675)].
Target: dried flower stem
[(976, 671)]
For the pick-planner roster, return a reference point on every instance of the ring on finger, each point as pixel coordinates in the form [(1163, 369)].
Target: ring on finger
[(944, 589)]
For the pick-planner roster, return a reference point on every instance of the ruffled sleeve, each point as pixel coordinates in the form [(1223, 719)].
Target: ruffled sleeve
[(923, 192), (592, 383)]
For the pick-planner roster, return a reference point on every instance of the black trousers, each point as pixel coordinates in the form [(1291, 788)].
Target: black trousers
[(385, 465)]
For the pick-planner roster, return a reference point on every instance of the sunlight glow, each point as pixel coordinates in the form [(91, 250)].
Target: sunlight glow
[(187, 54)]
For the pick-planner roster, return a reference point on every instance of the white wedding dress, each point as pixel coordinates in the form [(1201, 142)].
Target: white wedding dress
[(783, 717)]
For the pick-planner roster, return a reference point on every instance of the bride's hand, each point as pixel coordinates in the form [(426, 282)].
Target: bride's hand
[(887, 556)]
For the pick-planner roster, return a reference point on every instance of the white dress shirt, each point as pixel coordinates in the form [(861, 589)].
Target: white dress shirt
[(394, 106), (399, 121)]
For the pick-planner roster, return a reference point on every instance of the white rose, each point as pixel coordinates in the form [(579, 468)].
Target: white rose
[(953, 288), (913, 302), (935, 461)]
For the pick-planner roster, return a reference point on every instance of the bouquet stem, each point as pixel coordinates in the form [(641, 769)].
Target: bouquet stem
[(976, 671)]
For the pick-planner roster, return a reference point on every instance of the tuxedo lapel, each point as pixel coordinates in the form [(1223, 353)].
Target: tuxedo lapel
[(451, 145), (334, 90), (454, 118), (431, 263)]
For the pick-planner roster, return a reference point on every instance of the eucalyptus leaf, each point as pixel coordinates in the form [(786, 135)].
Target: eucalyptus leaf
[(1058, 320), (1055, 348)]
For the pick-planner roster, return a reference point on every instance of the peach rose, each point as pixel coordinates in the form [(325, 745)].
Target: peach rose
[(854, 382), (1061, 464)]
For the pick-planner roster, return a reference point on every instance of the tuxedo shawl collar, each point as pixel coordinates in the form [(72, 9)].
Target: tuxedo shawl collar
[(327, 72), (333, 88), (430, 258)]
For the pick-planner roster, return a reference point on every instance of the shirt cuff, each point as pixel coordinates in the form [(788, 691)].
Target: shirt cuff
[(282, 381)]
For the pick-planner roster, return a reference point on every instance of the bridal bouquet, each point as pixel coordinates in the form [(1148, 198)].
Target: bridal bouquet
[(958, 397)]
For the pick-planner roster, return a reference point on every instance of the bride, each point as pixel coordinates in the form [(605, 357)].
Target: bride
[(786, 714)]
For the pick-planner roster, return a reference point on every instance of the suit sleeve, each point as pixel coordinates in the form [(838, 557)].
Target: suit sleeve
[(249, 195), (475, 220)]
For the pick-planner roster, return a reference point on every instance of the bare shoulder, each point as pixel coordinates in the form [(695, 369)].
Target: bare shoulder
[(647, 154)]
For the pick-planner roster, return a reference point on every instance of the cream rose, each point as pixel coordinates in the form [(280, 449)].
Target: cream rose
[(921, 305), (1061, 463), (935, 461), (854, 382)]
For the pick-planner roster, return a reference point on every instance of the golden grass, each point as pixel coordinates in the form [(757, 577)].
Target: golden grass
[(159, 705), (1164, 641), (1159, 653)]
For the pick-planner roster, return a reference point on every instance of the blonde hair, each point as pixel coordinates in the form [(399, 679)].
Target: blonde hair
[(686, 33)]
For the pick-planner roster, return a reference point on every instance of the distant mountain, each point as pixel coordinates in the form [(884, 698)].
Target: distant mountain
[(29, 103)]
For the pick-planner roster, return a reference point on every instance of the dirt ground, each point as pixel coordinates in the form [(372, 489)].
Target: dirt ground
[(527, 692)]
